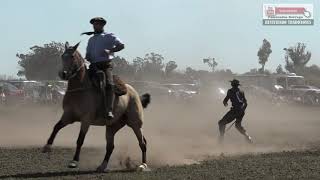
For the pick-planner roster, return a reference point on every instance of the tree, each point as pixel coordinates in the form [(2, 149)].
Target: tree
[(170, 66), (280, 70), (150, 66), (154, 63), (122, 67), (314, 69), (138, 64), (190, 73), (297, 58), (211, 63), (42, 63), (264, 53)]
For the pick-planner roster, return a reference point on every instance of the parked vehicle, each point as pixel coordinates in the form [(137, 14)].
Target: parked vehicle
[(10, 94), (2, 96), (29, 88), (285, 87), (306, 94), (154, 88), (182, 91)]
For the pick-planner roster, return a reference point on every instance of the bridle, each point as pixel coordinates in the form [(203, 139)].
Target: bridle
[(74, 68), (72, 72), (75, 72)]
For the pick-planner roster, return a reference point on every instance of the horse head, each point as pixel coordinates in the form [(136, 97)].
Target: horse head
[(71, 62)]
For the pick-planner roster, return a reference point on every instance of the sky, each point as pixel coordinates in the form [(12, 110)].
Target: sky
[(185, 31)]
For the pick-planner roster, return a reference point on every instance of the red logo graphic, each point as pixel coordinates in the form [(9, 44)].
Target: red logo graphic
[(272, 11)]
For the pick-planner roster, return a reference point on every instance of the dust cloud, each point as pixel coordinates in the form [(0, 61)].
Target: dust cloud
[(178, 132)]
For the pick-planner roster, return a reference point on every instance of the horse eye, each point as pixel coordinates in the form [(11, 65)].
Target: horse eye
[(65, 56)]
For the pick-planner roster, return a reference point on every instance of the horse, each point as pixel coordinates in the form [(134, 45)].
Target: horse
[(82, 102)]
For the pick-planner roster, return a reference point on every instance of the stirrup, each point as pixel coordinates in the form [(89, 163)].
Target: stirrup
[(109, 116)]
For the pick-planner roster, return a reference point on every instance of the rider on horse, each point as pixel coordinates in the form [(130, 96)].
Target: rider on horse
[(100, 50)]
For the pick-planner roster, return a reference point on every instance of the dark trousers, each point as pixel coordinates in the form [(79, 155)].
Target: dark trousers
[(233, 114), (108, 90), (106, 67)]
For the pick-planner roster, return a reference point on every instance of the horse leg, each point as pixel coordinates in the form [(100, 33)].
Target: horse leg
[(82, 134), (65, 120), (143, 146), (110, 133)]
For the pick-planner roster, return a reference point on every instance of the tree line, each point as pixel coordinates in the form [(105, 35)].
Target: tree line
[(43, 63)]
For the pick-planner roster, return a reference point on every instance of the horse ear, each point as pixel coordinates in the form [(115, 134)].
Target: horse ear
[(76, 46), (66, 45)]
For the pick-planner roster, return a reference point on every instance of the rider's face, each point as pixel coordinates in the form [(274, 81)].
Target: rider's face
[(98, 26)]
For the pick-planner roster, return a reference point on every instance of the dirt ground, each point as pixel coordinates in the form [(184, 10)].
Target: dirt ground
[(177, 134)]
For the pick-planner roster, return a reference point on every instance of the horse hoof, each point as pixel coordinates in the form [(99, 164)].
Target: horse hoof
[(143, 168), (46, 148), (73, 164), (249, 140), (101, 169)]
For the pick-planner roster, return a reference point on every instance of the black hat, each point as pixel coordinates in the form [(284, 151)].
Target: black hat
[(235, 82), (98, 19)]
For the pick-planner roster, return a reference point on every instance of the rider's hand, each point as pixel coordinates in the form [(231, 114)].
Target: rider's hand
[(225, 104), (106, 52)]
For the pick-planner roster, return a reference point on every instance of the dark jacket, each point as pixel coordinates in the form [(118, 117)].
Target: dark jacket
[(237, 98)]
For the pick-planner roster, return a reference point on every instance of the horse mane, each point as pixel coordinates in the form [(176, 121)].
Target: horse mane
[(78, 56), (81, 61)]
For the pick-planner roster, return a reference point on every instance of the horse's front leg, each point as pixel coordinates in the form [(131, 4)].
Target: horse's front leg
[(65, 119), (110, 147), (83, 131)]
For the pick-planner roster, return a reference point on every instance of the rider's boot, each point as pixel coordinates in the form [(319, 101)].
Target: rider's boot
[(109, 101)]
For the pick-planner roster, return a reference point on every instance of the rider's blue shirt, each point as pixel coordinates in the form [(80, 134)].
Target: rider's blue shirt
[(98, 43)]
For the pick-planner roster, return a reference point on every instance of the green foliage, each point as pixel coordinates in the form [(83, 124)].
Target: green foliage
[(311, 74), (211, 62), (151, 65), (170, 67), (122, 67), (280, 70), (297, 58), (264, 53), (42, 62)]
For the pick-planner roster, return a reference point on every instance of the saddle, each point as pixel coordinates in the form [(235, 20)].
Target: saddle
[(120, 87)]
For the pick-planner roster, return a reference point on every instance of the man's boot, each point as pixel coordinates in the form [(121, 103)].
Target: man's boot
[(109, 101), (104, 101), (221, 139), (248, 138), (221, 131), (241, 129), (102, 84)]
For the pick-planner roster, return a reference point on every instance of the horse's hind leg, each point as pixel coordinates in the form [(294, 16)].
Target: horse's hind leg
[(110, 133), (63, 122), (143, 145)]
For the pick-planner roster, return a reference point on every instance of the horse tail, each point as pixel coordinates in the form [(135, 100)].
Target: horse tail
[(145, 100)]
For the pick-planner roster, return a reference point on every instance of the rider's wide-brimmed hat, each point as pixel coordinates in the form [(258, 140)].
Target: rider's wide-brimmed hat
[(235, 82), (98, 19)]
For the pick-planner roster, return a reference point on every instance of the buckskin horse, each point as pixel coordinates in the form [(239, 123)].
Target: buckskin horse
[(82, 103)]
